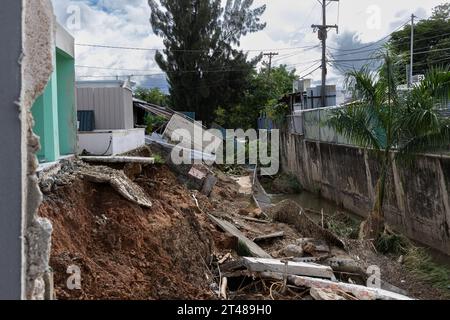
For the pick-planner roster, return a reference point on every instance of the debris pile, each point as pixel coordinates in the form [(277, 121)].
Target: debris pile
[(315, 266), (148, 231)]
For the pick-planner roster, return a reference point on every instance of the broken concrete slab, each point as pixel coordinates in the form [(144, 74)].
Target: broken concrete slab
[(288, 267), (208, 185), (118, 159), (253, 249), (360, 292), (119, 181)]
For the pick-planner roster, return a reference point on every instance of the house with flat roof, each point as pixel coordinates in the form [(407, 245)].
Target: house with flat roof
[(106, 118), (54, 112)]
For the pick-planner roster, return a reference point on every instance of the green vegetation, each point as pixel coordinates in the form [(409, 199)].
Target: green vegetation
[(392, 243), (158, 159), (261, 95), (416, 260), (154, 96), (419, 262), (342, 225), (385, 120), (431, 40), (153, 122)]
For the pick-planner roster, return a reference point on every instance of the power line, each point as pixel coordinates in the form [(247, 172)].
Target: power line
[(373, 43), (302, 77), (433, 50), (182, 50)]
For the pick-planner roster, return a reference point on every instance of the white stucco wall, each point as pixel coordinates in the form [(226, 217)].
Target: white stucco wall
[(111, 142)]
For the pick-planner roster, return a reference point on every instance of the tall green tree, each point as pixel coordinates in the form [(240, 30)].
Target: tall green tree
[(385, 120), (431, 42), (204, 69)]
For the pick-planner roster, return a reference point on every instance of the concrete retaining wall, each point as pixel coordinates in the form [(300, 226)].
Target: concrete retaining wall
[(417, 201)]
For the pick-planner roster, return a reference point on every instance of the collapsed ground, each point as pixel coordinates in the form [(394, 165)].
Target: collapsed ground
[(171, 250)]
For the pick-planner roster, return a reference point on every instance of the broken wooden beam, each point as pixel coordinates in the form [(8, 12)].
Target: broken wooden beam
[(118, 159), (269, 236), (255, 220), (253, 249), (288, 267)]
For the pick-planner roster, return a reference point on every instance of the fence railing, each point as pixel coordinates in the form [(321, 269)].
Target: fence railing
[(312, 124)]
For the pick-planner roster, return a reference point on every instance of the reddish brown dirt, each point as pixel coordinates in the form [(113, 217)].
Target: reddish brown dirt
[(125, 251)]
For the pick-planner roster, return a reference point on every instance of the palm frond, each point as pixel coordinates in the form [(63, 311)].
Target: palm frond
[(361, 125), (436, 140)]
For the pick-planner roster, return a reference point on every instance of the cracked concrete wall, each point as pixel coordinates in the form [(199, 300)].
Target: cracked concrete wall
[(417, 198), (38, 43), (10, 139)]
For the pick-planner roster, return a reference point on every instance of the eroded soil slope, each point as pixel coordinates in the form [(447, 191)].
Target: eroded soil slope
[(125, 251)]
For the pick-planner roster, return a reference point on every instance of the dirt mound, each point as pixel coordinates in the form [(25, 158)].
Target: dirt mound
[(125, 251)]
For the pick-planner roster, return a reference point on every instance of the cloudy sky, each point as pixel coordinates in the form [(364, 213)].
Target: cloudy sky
[(126, 24)]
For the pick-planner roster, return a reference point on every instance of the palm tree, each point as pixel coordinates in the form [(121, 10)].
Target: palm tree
[(394, 124)]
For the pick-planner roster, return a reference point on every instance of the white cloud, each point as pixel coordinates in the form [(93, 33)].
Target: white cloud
[(126, 23)]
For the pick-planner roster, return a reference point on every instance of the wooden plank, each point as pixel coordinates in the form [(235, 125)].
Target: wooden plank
[(253, 248), (269, 236), (118, 159), (256, 220), (292, 268)]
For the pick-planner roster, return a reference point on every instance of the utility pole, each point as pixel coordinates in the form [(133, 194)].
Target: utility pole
[(270, 55), (410, 82), (323, 35)]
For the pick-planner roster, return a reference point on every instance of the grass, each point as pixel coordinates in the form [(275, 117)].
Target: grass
[(392, 243), (158, 159), (416, 260), (343, 228), (420, 263)]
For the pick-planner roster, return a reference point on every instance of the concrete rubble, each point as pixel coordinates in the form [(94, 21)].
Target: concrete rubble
[(315, 266), (70, 170)]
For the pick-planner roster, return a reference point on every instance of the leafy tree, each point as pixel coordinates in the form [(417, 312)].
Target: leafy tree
[(154, 96), (262, 94), (429, 35), (203, 68), (153, 122), (385, 120)]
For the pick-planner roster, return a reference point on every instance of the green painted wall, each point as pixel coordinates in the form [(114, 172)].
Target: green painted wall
[(54, 111), (45, 114), (67, 116), (38, 115)]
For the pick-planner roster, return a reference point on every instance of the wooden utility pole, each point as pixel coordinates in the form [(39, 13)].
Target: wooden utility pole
[(323, 35), (410, 82), (270, 55)]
